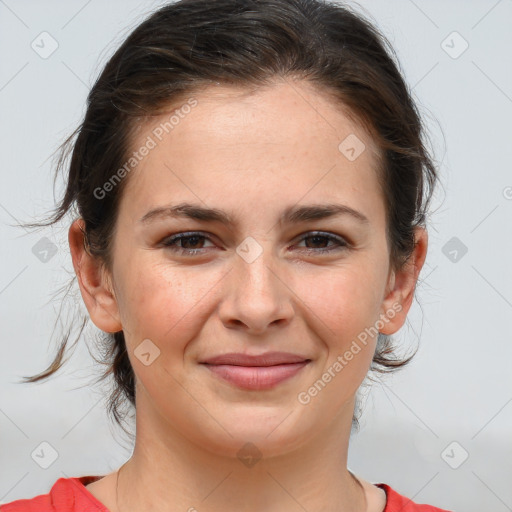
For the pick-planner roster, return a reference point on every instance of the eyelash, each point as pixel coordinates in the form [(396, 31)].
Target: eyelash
[(170, 242)]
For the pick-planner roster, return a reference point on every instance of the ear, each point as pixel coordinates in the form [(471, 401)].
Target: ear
[(402, 284), (94, 281)]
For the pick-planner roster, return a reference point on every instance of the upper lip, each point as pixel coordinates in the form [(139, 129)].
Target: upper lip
[(266, 359)]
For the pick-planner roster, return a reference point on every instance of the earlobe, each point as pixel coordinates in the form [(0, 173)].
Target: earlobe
[(94, 283), (402, 284)]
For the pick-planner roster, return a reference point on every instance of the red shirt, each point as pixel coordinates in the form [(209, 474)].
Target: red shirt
[(70, 495)]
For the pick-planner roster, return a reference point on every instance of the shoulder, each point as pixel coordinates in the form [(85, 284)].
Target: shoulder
[(66, 495), (395, 502)]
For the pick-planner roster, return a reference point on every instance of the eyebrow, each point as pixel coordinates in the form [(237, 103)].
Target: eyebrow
[(292, 215)]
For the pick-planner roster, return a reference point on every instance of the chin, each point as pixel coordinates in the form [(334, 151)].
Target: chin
[(258, 431)]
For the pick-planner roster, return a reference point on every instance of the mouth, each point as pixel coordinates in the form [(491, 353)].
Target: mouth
[(256, 372)]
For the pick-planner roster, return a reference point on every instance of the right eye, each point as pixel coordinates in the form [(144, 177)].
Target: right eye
[(188, 239)]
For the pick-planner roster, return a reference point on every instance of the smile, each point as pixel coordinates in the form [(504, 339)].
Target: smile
[(256, 377)]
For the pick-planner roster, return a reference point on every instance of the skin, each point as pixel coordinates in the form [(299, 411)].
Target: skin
[(251, 155)]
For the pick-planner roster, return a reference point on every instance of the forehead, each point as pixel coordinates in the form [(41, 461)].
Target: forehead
[(299, 106), (282, 142)]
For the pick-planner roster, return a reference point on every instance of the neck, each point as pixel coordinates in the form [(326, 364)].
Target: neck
[(168, 469)]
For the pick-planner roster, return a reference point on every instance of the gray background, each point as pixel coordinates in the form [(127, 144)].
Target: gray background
[(458, 389)]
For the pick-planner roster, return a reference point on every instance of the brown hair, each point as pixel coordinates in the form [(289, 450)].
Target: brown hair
[(185, 46)]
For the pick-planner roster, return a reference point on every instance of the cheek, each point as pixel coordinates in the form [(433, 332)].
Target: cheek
[(347, 304), (345, 299), (163, 302)]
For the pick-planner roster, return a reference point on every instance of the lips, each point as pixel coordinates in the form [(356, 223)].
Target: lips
[(266, 359), (256, 372)]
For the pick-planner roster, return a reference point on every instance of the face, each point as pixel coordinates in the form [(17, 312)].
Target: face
[(266, 281)]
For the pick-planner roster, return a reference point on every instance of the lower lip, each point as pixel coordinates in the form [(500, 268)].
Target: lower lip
[(256, 377)]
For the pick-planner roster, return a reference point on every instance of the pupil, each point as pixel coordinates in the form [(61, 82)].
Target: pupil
[(317, 238), (187, 241)]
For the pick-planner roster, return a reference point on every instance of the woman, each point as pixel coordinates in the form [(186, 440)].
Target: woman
[(251, 185)]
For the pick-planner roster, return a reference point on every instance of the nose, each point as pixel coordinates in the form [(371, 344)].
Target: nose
[(256, 295)]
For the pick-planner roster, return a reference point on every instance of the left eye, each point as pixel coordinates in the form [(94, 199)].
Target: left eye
[(193, 239), (318, 237)]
